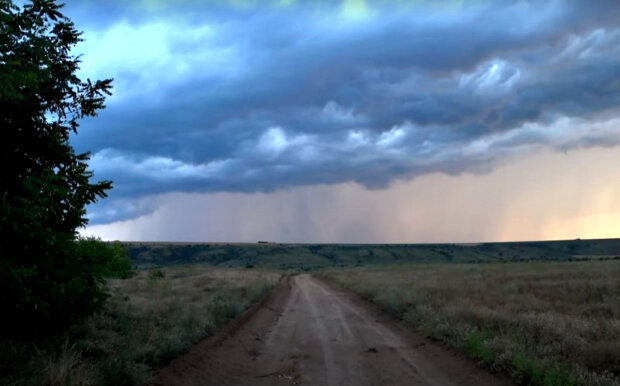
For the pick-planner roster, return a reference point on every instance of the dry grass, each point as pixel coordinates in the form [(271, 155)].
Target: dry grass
[(150, 319), (542, 323)]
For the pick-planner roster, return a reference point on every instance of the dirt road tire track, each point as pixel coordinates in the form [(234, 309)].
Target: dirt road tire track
[(311, 332)]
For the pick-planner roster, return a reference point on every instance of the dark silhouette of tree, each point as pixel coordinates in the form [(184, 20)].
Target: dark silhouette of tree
[(44, 185)]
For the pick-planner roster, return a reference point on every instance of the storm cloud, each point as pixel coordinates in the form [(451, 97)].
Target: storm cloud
[(235, 97)]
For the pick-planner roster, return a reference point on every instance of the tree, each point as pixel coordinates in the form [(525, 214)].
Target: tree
[(44, 185)]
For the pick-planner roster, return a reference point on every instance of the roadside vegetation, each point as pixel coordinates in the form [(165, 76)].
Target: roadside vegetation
[(49, 278), (149, 319), (541, 323)]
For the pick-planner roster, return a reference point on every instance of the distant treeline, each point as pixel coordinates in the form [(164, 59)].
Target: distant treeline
[(315, 256)]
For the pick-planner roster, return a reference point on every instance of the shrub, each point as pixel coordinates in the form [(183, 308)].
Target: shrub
[(476, 348), (156, 274), (527, 371), (112, 257)]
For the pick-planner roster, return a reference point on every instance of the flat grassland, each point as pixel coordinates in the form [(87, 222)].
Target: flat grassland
[(542, 323), (150, 319)]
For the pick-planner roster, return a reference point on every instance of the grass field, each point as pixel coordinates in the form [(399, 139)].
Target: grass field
[(545, 323), (149, 320), (541, 323)]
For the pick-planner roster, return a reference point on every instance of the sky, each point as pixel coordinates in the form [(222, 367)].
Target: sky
[(353, 121)]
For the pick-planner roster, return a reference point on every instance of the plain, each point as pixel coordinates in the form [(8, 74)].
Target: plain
[(543, 323)]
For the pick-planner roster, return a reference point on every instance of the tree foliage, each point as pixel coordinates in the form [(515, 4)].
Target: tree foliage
[(44, 185), (111, 257)]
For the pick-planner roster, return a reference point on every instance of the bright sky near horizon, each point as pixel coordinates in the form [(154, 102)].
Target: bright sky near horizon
[(354, 121)]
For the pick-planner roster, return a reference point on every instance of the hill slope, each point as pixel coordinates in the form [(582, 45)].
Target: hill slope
[(315, 256)]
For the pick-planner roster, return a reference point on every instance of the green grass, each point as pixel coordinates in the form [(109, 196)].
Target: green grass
[(150, 319), (541, 323), (476, 348)]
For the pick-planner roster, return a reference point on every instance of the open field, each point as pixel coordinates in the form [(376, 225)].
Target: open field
[(539, 322), (542, 323), (307, 257), (312, 333), (150, 319)]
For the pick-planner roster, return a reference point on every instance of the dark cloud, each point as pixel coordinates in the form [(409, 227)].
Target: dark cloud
[(263, 98)]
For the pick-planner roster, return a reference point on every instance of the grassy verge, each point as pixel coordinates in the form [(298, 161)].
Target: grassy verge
[(542, 323), (150, 319)]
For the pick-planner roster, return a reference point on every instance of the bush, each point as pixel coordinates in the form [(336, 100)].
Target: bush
[(112, 257), (156, 274), (476, 348), (527, 371), (51, 289)]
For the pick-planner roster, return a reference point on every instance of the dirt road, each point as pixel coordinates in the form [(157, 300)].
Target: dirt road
[(311, 333)]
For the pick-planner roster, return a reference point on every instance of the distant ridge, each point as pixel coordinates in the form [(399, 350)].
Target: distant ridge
[(307, 256)]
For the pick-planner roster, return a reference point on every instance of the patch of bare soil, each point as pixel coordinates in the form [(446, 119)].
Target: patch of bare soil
[(312, 333)]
